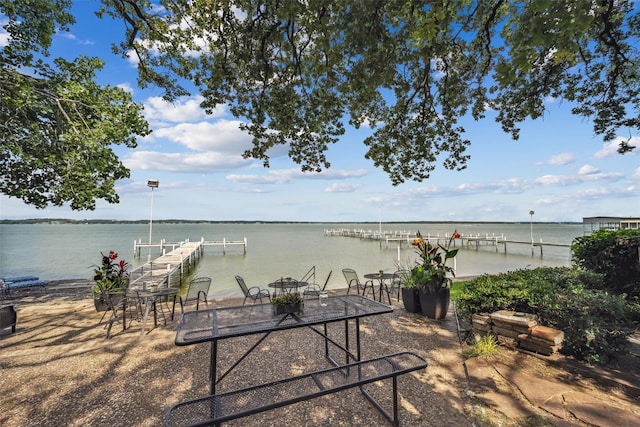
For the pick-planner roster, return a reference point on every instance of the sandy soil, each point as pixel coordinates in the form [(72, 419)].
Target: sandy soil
[(59, 369)]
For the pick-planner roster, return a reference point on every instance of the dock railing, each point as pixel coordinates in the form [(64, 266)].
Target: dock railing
[(397, 239)]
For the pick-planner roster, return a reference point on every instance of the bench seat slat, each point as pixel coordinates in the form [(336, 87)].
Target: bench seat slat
[(240, 403)]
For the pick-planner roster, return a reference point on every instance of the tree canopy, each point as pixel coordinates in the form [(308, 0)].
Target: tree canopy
[(411, 69), (57, 126)]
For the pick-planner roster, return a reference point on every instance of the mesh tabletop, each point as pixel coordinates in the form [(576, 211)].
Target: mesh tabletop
[(208, 325)]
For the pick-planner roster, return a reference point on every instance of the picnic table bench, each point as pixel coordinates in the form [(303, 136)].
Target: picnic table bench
[(218, 324), (217, 408)]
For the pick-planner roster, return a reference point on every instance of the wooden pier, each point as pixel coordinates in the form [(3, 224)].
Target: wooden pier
[(393, 239), (501, 240), (169, 268), (163, 245)]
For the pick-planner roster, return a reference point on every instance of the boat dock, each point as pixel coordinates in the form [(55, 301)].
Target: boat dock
[(163, 245), (169, 268), (172, 266), (393, 239), (501, 240)]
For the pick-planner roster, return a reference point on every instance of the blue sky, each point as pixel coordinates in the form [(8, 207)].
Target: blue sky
[(558, 168)]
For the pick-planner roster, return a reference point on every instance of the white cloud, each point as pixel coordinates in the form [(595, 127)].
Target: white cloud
[(545, 202), (67, 35), (222, 136), (132, 58), (636, 174), (591, 194), (558, 160), (611, 177), (186, 109), (563, 180), (126, 87), (342, 187), (282, 176), (510, 186), (336, 174), (4, 36), (611, 148), (71, 36), (184, 162), (588, 170), (259, 179)]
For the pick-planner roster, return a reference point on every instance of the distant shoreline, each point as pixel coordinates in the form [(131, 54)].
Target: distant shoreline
[(198, 221)]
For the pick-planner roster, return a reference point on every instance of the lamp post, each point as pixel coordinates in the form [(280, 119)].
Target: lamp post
[(531, 226), (152, 183)]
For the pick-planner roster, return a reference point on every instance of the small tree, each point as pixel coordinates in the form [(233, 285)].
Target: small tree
[(58, 127), (613, 254)]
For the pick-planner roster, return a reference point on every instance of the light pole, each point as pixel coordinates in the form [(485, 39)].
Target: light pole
[(531, 224), (152, 183)]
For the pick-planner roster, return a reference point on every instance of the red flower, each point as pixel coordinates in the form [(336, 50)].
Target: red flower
[(113, 255), (456, 235)]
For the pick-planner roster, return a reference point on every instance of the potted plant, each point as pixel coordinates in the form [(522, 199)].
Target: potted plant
[(410, 292), (112, 276), (287, 303), (431, 275)]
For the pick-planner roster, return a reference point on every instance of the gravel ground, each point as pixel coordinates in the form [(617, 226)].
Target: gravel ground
[(58, 369)]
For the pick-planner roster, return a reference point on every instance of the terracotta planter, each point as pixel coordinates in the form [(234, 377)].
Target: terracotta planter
[(435, 305), (411, 300)]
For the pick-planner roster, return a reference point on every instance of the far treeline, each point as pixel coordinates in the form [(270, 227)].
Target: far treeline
[(202, 221)]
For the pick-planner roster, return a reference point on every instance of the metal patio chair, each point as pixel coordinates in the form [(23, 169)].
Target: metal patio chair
[(253, 292), (397, 283), (117, 303), (354, 281), (313, 290), (309, 276), (197, 291)]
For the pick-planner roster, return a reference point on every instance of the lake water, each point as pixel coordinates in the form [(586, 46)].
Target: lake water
[(69, 251)]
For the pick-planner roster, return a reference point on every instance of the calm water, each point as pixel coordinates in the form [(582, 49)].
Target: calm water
[(65, 251)]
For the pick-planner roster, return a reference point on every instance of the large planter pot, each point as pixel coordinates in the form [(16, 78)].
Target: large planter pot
[(100, 304), (287, 308), (435, 305), (411, 300)]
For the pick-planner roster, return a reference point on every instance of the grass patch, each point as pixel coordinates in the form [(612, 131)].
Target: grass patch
[(484, 347)]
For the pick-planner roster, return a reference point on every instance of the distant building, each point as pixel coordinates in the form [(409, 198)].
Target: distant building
[(594, 223)]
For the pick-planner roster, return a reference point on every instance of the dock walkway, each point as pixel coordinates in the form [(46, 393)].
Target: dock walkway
[(169, 268), (163, 245), (393, 239)]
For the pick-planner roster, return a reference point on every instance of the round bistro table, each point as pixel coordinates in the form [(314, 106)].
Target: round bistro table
[(383, 278), (286, 285)]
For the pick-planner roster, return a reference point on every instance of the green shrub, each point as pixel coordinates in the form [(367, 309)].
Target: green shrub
[(596, 323), (613, 254)]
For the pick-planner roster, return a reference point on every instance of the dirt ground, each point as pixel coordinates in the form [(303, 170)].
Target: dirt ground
[(58, 369)]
